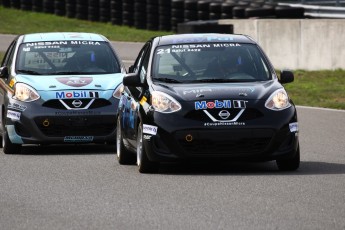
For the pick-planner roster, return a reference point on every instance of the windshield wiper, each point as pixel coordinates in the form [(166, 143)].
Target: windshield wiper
[(168, 80), (31, 72)]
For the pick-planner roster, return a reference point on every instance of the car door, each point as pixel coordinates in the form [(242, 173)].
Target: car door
[(6, 63), (130, 99)]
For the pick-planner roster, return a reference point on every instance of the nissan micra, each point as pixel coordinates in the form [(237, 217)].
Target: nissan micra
[(205, 96), (59, 88)]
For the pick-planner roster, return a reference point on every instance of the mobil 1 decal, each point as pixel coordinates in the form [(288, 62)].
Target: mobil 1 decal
[(222, 112), (76, 94)]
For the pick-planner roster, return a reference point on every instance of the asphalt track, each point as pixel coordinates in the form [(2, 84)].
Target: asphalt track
[(83, 187)]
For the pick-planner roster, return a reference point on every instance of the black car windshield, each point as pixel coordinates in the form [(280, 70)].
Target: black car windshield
[(210, 62), (66, 57)]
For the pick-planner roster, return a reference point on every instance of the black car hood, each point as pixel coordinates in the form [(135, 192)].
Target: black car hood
[(210, 91)]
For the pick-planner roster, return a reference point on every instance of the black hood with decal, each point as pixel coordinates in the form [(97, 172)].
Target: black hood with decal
[(202, 91)]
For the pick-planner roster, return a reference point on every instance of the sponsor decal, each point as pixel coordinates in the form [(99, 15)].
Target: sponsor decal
[(235, 123), (78, 138), (194, 47), (191, 46), (85, 43), (17, 107), (293, 127), (75, 81), (226, 45), (12, 82), (13, 115), (143, 100), (200, 38), (76, 94), (217, 104), (220, 104), (196, 91), (77, 112), (150, 129), (147, 137), (58, 43)]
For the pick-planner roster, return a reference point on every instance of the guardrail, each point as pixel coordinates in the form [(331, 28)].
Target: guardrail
[(313, 11)]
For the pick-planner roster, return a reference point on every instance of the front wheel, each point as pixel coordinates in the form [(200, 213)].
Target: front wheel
[(289, 164), (124, 157), (8, 146), (143, 162)]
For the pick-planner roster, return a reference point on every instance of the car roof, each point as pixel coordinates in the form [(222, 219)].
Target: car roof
[(203, 38), (62, 36)]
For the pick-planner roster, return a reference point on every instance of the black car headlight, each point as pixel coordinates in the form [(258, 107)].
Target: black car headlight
[(164, 103), (25, 93), (278, 100)]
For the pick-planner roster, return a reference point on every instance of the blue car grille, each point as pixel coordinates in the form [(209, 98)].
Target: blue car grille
[(76, 126), (56, 104)]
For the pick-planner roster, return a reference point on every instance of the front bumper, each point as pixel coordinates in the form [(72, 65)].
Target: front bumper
[(260, 139), (37, 124)]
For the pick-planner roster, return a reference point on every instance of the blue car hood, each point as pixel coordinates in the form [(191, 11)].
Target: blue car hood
[(72, 82)]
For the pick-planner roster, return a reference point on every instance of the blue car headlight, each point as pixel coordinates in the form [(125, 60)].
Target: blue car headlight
[(118, 91), (25, 93)]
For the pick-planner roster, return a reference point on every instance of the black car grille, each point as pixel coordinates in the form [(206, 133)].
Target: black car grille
[(225, 142), (248, 114), (76, 126), (97, 103)]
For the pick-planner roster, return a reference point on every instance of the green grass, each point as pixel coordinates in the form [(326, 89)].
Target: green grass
[(310, 88), (318, 88), (14, 21)]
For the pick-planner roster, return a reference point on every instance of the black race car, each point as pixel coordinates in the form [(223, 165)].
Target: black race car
[(202, 96)]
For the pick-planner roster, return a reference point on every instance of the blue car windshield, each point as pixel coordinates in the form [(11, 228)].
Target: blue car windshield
[(210, 62), (66, 57)]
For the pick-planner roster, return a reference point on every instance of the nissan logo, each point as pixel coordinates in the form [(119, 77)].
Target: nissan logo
[(77, 103), (224, 114)]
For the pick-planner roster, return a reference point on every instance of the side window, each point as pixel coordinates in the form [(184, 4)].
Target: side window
[(9, 54), (143, 70), (139, 59)]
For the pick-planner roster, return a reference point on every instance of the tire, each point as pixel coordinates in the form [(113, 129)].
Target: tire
[(144, 164), (289, 12), (258, 12), (238, 12), (6, 3), (289, 164), (8, 146), (203, 6), (124, 157), (26, 5)]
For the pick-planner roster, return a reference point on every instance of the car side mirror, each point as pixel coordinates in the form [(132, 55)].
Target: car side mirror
[(286, 76), (4, 72), (132, 79)]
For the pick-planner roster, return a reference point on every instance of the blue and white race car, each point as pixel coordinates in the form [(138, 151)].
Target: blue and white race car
[(58, 88)]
